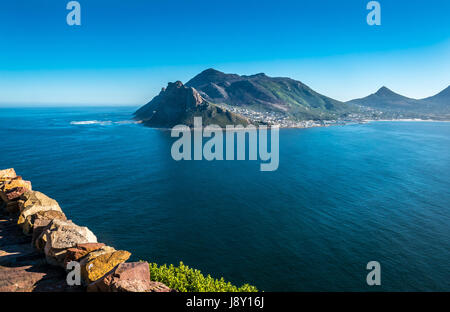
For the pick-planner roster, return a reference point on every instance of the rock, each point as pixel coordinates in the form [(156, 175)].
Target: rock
[(39, 240), (7, 173), (36, 202), (24, 199), (9, 186), (61, 235), (48, 215), (159, 287), (30, 198), (95, 267), (15, 193), (81, 250), (16, 183), (6, 180), (128, 277), (24, 270), (94, 254)]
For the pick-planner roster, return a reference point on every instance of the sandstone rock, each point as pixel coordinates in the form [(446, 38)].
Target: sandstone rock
[(81, 250), (30, 198), (24, 199), (128, 277), (39, 240), (22, 269), (7, 173), (60, 235), (93, 269), (91, 256), (12, 189), (159, 287), (46, 214), (16, 183), (5, 181), (15, 193), (36, 202), (94, 254)]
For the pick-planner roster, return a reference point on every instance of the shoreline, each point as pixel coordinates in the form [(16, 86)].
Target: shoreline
[(410, 120), (315, 126)]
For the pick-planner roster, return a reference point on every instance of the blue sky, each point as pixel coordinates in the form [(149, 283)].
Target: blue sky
[(125, 51)]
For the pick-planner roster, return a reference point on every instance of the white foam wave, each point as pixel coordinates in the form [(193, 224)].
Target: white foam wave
[(91, 122), (125, 122), (103, 123)]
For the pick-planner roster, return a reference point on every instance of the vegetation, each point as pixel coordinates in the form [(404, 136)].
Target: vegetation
[(185, 279), (262, 93)]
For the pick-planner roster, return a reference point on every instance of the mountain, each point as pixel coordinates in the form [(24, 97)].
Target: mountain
[(442, 99), (385, 98), (268, 94), (388, 101), (178, 104), (225, 99)]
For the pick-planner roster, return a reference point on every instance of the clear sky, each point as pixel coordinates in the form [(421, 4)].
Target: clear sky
[(125, 51)]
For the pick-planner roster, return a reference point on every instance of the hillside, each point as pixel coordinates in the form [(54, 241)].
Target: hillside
[(263, 93), (388, 101), (440, 101), (178, 104)]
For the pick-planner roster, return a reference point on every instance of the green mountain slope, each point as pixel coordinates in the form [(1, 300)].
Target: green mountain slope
[(262, 93)]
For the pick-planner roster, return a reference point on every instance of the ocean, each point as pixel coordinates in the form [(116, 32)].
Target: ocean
[(341, 197)]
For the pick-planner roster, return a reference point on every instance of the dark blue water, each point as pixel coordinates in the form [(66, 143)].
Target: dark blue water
[(342, 196)]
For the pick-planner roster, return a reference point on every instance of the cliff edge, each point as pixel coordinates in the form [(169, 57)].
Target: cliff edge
[(39, 247)]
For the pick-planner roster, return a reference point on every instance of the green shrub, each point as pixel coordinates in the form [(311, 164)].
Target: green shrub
[(185, 279)]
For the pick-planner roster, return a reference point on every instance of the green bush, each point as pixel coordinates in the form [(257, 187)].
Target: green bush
[(185, 279)]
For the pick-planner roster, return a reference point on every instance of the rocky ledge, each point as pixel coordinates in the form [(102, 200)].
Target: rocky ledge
[(37, 243)]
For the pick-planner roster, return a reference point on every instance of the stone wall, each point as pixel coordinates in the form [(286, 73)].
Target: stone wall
[(69, 246)]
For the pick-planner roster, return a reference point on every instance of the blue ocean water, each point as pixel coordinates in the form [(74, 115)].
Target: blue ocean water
[(342, 196)]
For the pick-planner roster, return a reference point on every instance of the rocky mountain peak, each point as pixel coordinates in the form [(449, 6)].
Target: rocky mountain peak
[(384, 91), (177, 84), (177, 92), (179, 104)]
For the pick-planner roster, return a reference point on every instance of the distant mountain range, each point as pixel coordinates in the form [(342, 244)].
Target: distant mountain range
[(233, 99), (442, 99), (389, 101)]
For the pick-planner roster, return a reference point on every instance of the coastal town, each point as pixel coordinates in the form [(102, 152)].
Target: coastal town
[(285, 121)]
